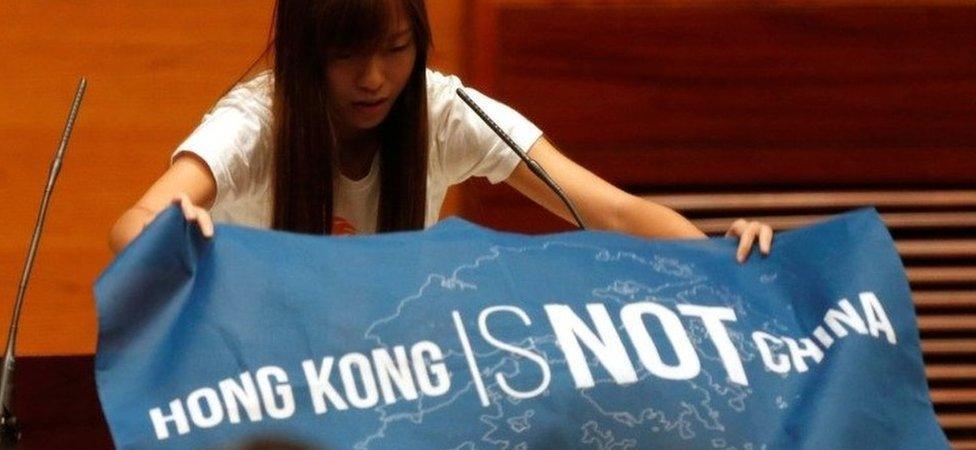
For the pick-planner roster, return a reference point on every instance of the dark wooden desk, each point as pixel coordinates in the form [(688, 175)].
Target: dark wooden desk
[(57, 405)]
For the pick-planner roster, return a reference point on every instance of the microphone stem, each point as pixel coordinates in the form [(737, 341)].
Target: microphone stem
[(6, 375)]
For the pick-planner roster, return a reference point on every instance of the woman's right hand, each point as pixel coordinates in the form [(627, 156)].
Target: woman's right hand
[(188, 183), (194, 213), (137, 218)]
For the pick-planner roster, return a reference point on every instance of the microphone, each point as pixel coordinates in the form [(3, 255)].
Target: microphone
[(9, 429), (533, 166)]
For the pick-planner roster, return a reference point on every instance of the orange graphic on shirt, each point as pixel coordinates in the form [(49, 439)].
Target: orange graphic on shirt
[(341, 226)]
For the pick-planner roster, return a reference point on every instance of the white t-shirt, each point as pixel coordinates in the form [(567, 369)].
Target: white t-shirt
[(235, 141)]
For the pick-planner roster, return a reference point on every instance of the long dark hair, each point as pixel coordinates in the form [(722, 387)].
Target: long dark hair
[(304, 32)]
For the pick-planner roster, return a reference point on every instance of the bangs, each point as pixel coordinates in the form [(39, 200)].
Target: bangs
[(360, 26)]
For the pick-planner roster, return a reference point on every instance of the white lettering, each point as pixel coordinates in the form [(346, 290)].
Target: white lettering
[(821, 334), (265, 376), (390, 373), (808, 350), (349, 365), (606, 345), (688, 366), (177, 416), (320, 387), (421, 352), (781, 363), (540, 361), (212, 400), (877, 318), (714, 317), (245, 393), (833, 319)]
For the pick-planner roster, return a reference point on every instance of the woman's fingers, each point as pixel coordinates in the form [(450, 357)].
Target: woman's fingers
[(189, 211), (737, 228), (765, 239), (746, 239), (206, 222), (748, 232), (194, 213)]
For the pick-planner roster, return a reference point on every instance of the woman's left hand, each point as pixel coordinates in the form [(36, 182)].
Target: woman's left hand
[(747, 232)]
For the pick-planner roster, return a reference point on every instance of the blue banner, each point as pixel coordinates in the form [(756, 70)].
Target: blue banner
[(459, 337)]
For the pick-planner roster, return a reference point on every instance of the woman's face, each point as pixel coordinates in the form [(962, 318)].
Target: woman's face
[(363, 87)]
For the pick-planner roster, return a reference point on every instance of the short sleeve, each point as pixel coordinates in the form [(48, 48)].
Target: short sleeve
[(464, 145), (234, 139)]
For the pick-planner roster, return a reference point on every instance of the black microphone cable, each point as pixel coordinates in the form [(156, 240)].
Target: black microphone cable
[(533, 166)]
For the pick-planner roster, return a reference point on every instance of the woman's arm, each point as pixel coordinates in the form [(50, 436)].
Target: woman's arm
[(603, 206), (188, 181)]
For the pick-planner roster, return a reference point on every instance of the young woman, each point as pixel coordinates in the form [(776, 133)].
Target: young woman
[(350, 132)]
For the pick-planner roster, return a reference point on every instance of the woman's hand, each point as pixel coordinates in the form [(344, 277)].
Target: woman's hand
[(136, 218), (747, 232), (188, 182), (194, 213)]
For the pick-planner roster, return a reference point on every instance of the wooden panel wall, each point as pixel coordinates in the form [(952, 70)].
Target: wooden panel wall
[(154, 67), (660, 95)]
